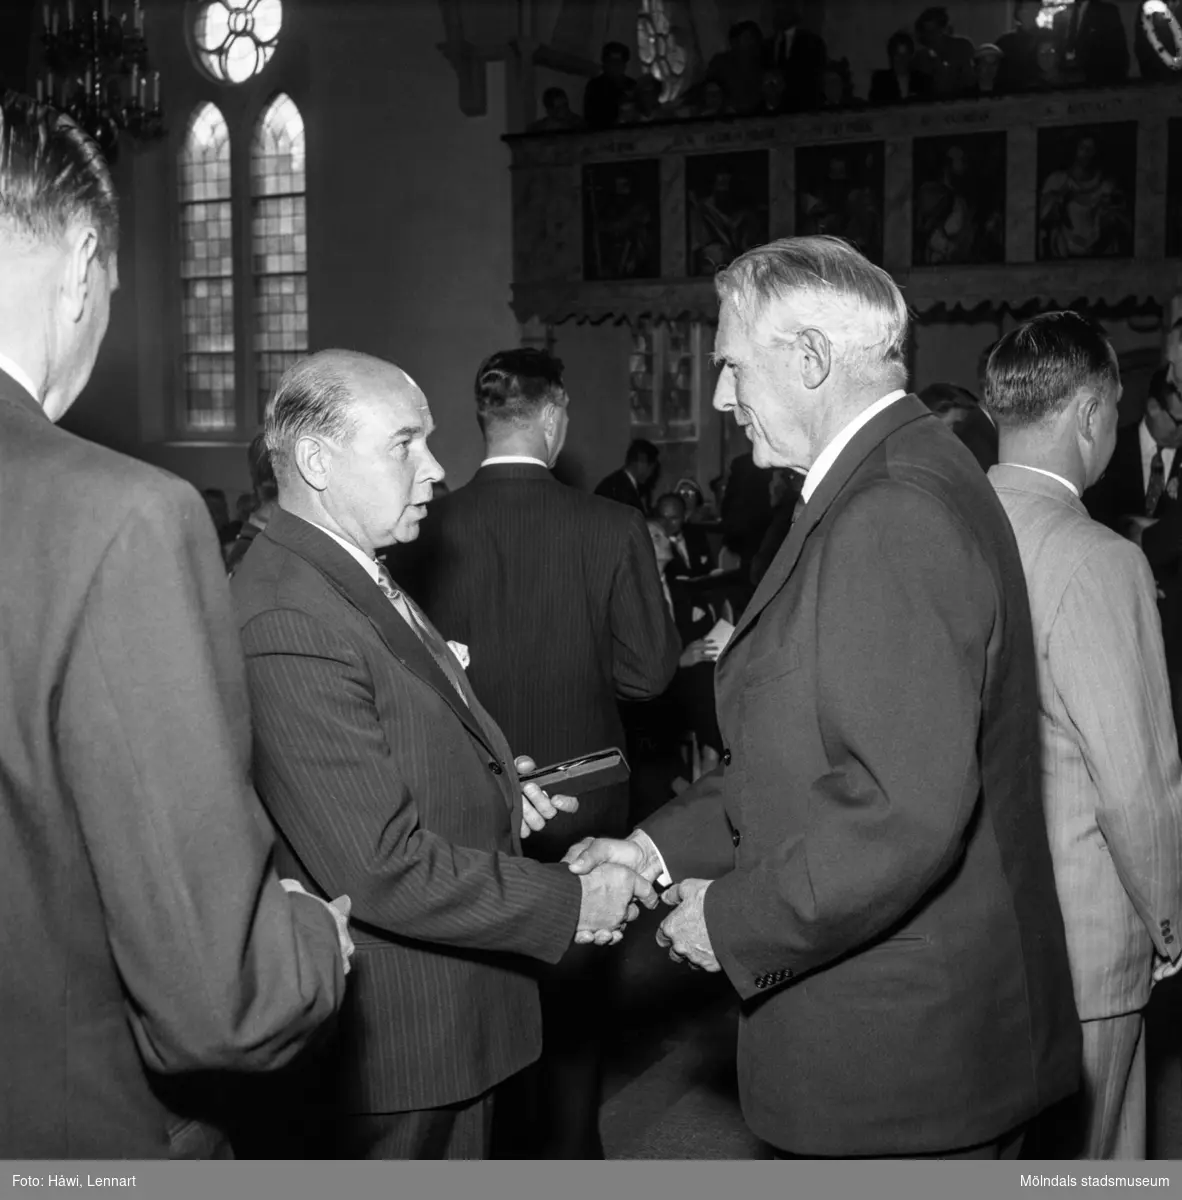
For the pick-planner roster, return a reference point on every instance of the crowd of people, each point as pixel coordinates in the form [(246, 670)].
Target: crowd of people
[(279, 877), (791, 69)]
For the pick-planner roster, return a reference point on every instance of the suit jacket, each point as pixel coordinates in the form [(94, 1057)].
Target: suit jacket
[(556, 595), (1112, 782), (1121, 493), (883, 897), (803, 68), (1099, 42), (697, 547), (386, 785), (147, 942), (618, 486)]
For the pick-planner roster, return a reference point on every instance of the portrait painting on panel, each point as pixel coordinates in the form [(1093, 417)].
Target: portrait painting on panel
[(959, 204), (839, 191), (622, 220), (1087, 183), (726, 207)]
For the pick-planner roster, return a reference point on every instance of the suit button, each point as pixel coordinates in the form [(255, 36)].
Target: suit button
[(726, 758), (495, 767), (735, 837), (761, 982)]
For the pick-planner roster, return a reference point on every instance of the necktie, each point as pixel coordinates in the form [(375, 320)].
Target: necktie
[(1157, 483), (435, 645)]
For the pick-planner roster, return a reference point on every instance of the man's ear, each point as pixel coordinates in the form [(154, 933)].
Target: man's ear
[(311, 459), (1088, 417), (81, 260), (816, 357)]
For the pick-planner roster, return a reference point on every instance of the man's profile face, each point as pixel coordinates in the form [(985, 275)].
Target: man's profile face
[(382, 480), (671, 514), (757, 385)]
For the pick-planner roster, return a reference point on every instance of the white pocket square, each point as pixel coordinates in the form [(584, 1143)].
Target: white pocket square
[(461, 653)]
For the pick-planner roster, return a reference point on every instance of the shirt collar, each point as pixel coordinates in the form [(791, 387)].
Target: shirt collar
[(1049, 474), (828, 456), (370, 564), (20, 375), (497, 460)]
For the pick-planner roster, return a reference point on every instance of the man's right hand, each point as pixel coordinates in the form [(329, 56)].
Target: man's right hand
[(629, 852), (610, 893)]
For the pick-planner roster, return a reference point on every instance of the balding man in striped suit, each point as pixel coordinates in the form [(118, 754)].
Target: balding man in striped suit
[(380, 766), (1112, 781)]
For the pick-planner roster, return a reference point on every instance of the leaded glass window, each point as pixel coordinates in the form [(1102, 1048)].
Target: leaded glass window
[(236, 38), (661, 47), (665, 378), (207, 273), (279, 243)]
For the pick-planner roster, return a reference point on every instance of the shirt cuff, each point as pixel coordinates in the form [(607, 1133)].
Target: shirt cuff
[(652, 859)]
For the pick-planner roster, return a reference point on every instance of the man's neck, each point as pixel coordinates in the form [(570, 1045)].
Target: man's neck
[(522, 446), (1034, 452), (310, 510)]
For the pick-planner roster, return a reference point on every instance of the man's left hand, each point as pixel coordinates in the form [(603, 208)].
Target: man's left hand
[(537, 807), (684, 931)]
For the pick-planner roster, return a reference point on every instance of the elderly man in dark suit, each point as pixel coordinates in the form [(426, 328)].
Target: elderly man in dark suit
[(147, 941), (380, 767), (632, 483), (556, 596), (870, 864)]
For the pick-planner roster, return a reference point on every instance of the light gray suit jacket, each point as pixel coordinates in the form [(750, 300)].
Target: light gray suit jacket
[(1112, 779)]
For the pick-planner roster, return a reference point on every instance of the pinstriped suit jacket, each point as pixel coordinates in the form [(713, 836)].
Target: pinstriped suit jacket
[(1112, 781), (385, 785), (557, 596)]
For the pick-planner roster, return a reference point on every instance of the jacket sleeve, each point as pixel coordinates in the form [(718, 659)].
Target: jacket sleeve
[(223, 969), (692, 832), (644, 638), (333, 783), (902, 636), (1108, 665)]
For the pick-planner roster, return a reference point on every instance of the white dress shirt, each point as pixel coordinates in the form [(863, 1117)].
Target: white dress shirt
[(20, 375), (1148, 450), (828, 456), (1049, 474), (497, 459)]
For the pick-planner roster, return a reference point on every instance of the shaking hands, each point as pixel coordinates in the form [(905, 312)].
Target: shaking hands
[(683, 932)]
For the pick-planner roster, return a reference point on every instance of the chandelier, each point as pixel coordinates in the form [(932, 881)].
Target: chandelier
[(97, 71)]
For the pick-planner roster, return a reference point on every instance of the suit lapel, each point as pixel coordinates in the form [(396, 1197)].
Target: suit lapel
[(349, 579), (866, 440)]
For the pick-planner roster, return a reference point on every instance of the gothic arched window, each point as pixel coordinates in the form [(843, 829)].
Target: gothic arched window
[(279, 242), (661, 49), (207, 273)]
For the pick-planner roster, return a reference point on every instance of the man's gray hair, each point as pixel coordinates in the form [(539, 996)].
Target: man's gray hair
[(824, 283), (313, 399)]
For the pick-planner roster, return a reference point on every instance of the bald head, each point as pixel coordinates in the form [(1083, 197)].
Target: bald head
[(347, 434)]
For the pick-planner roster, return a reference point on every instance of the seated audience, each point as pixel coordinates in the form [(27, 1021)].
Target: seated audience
[(1048, 71), (900, 81), (559, 116), (712, 101), (799, 53), (986, 67), (265, 497), (690, 697), (697, 511), (739, 69), (604, 94), (692, 557), (961, 411), (1019, 71), (945, 58), (1154, 68), (1093, 47)]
